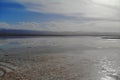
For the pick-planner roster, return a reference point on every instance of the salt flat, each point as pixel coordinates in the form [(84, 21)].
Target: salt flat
[(61, 58)]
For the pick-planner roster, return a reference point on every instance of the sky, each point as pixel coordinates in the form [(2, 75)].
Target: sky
[(61, 15)]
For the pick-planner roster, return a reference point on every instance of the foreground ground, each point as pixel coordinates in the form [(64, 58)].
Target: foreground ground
[(60, 58), (90, 65)]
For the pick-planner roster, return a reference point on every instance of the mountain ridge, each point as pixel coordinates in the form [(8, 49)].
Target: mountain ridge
[(15, 32)]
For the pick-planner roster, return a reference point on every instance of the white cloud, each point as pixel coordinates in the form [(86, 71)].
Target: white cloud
[(93, 26), (98, 9), (21, 25), (4, 25), (105, 12)]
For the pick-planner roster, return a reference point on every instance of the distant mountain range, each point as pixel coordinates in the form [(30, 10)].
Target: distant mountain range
[(14, 32)]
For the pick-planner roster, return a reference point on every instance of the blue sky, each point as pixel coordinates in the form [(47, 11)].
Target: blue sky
[(13, 12), (61, 15)]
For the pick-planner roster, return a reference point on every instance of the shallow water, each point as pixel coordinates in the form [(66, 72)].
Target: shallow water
[(92, 57), (60, 44)]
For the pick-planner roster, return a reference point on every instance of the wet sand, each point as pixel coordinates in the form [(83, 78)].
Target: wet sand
[(71, 58), (90, 65)]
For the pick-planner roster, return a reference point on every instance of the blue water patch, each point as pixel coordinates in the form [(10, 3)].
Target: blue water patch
[(10, 45)]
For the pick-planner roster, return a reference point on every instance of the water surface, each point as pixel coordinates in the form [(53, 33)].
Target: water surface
[(85, 58)]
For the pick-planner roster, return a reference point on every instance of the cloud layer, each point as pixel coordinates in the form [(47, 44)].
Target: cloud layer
[(85, 15), (98, 9), (93, 26)]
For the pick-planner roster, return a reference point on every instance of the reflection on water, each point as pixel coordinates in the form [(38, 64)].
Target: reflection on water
[(65, 43), (107, 78), (98, 58), (109, 72)]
